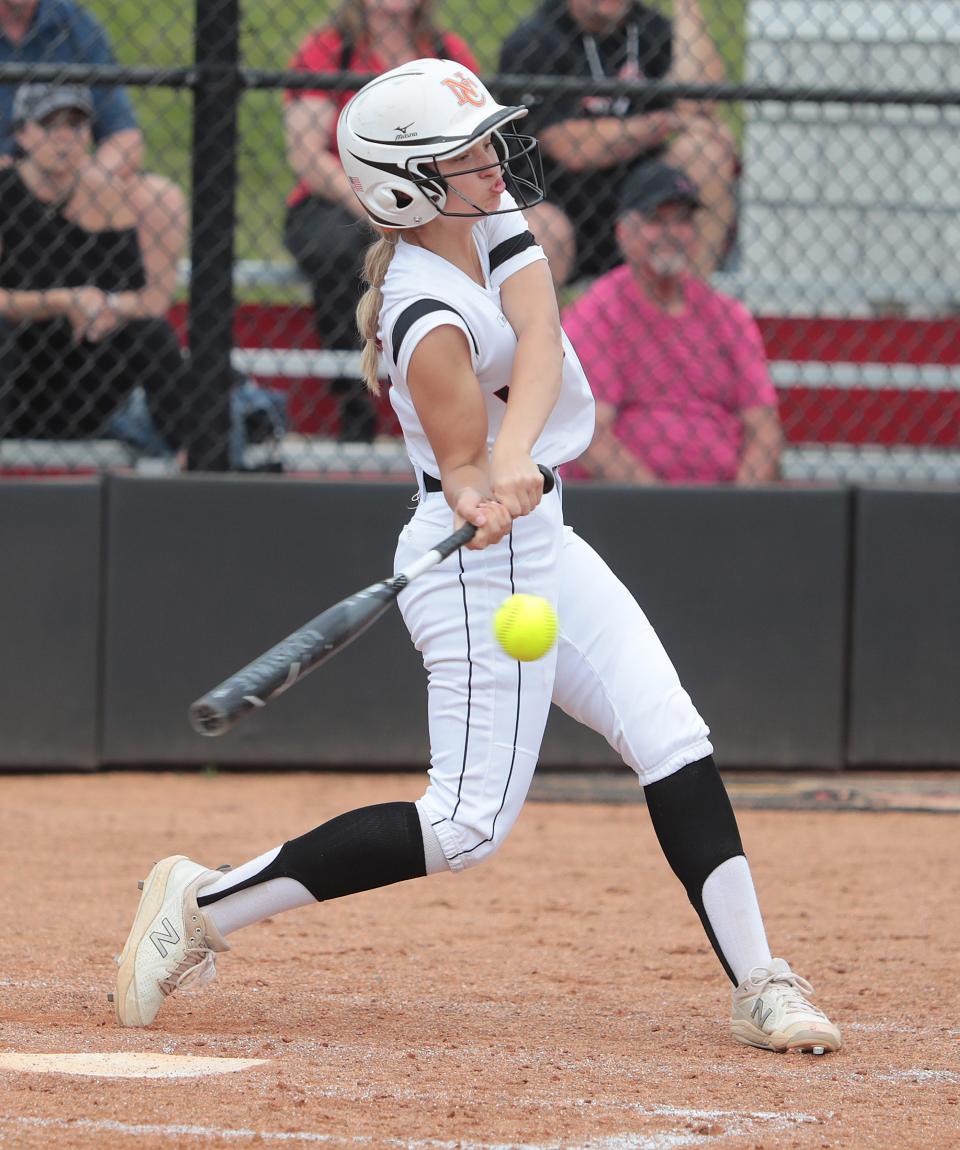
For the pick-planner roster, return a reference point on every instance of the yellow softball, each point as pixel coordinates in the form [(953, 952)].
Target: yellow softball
[(525, 627)]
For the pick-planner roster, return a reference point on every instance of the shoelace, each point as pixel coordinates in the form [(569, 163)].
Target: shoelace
[(198, 968), (792, 987)]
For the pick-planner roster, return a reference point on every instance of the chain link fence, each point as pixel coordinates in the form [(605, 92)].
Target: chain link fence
[(751, 216)]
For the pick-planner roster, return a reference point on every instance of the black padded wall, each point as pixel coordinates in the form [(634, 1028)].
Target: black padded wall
[(50, 545), (747, 589), (118, 611), (905, 673), (206, 573)]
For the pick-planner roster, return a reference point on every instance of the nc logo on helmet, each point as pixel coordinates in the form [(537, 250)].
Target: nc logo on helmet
[(465, 90)]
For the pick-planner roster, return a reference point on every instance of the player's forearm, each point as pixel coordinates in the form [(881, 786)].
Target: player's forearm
[(534, 386), (459, 442), (457, 478)]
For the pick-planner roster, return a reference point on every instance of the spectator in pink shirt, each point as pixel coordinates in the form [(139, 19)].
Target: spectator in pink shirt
[(678, 370)]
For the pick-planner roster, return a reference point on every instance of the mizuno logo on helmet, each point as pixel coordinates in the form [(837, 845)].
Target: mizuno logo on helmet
[(465, 90)]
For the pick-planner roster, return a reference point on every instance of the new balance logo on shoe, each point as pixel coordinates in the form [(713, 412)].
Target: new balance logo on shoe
[(162, 940), (170, 944), (760, 1014), (771, 1010)]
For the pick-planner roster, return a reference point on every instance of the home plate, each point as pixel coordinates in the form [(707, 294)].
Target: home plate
[(133, 1065)]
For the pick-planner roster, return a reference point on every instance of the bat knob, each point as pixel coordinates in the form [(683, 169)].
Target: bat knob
[(207, 720)]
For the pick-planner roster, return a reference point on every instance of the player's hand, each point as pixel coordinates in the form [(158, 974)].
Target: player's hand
[(517, 482), (491, 519)]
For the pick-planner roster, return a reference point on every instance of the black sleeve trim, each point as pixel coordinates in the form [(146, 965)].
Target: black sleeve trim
[(409, 316), (510, 248)]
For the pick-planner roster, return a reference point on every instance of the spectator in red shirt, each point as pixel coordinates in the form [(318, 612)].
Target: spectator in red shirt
[(324, 229), (678, 371)]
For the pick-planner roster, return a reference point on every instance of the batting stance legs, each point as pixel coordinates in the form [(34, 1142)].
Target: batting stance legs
[(487, 716)]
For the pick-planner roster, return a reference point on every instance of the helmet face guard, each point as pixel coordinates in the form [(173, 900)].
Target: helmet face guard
[(395, 132), (519, 161)]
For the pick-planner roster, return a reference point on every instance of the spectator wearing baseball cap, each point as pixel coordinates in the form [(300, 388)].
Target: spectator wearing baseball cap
[(55, 32), (82, 318), (38, 101), (678, 370), (645, 189)]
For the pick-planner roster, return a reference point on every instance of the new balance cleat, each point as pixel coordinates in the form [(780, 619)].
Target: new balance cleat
[(171, 944), (771, 1009)]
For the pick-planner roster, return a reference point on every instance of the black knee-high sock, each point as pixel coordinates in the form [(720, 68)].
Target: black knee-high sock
[(697, 830), (362, 849)]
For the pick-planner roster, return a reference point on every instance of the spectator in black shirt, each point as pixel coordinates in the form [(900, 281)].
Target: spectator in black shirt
[(63, 32), (82, 316), (591, 143)]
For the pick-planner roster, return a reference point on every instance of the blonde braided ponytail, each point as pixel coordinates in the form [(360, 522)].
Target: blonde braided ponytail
[(375, 264)]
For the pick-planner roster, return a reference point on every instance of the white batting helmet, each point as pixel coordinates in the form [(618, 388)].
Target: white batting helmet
[(393, 131)]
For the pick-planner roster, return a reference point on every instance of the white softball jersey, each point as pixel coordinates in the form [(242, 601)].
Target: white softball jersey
[(423, 291), (487, 712)]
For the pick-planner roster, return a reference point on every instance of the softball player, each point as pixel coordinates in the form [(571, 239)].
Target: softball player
[(485, 386)]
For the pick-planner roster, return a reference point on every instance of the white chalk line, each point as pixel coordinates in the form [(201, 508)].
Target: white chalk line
[(920, 1074), (737, 1124), (359, 1054), (129, 1064)]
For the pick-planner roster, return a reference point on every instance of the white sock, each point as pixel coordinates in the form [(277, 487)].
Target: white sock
[(434, 858), (730, 901), (254, 903)]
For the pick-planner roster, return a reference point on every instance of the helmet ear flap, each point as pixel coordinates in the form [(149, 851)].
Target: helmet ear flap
[(388, 197), (393, 199)]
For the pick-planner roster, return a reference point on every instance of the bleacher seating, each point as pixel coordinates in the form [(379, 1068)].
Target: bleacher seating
[(861, 399)]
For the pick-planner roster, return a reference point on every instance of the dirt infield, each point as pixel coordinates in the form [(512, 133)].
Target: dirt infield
[(561, 996)]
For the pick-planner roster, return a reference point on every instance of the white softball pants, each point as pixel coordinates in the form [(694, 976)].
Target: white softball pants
[(487, 712)]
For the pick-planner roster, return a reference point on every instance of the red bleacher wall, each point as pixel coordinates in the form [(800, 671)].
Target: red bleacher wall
[(822, 413)]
